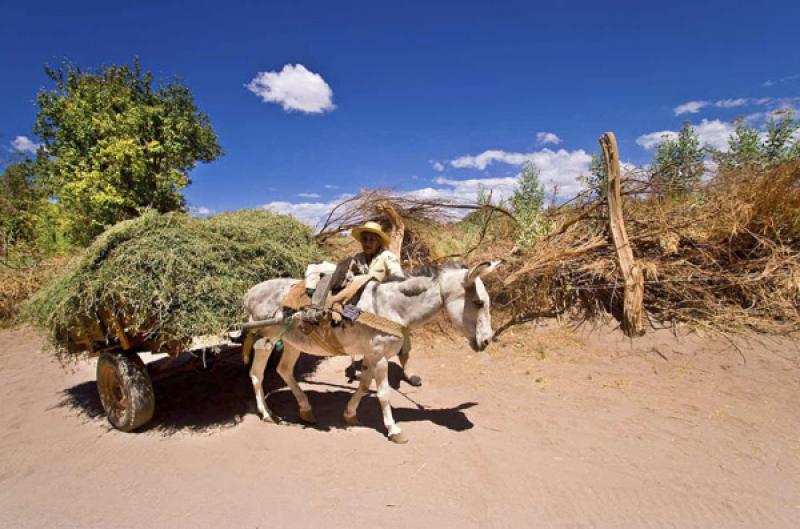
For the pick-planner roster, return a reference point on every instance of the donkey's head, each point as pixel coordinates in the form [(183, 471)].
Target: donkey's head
[(467, 302)]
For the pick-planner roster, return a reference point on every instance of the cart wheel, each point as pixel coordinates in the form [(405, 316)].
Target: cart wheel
[(125, 390)]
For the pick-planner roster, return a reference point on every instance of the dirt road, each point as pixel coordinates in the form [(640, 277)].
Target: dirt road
[(559, 429)]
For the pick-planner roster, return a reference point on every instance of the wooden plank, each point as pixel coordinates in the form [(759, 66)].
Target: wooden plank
[(633, 311)]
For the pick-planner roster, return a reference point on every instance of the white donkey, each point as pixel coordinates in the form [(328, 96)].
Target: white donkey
[(410, 302)]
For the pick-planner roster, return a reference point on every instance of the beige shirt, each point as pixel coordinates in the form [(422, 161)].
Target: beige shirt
[(383, 266)]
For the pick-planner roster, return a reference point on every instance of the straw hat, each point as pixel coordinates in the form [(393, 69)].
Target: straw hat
[(372, 227)]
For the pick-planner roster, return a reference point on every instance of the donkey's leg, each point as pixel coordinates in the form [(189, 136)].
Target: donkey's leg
[(382, 383), (404, 356), (364, 382), (286, 371), (261, 351)]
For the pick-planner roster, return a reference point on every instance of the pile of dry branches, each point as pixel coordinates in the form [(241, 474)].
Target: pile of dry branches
[(417, 226), (727, 258)]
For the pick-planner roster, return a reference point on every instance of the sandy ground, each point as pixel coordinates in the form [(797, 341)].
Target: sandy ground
[(559, 429)]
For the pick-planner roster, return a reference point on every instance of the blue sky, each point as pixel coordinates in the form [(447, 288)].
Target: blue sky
[(430, 97)]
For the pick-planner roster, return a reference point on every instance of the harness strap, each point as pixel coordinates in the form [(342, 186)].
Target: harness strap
[(388, 326)]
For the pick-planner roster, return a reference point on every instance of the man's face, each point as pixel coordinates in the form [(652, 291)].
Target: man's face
[(370, 243)]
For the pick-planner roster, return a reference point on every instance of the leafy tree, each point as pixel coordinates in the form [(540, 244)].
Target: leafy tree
[(529, 194), (678, 164), (744, 148), (597, 180), (778, 146), (19, 200), (527, 203), (29, 223), (749, 148), (114, 144)]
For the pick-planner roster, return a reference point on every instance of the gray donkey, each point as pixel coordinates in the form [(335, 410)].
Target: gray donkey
[(410, 302)]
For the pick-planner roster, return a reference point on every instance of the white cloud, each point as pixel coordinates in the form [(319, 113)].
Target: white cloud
[(712, 133), (295, 88), (693, 107), (732, 103), (201, 211), (466, 190), (690, 107), (769, 83), (437, 165), (310, 213), (652, 139), (543, 138), (330, 186), (24, 144), (559, 167), (308, 195), (545, 159)]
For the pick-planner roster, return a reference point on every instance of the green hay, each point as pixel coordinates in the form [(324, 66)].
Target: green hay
[(172, 277)]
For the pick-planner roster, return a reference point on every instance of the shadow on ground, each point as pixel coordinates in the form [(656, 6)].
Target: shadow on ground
[(203, 401), (195, 400)]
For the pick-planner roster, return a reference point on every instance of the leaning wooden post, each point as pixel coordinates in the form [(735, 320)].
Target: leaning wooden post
[(632, 318)]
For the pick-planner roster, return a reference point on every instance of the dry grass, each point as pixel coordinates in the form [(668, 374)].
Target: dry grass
[(726, 258), (19, 284)]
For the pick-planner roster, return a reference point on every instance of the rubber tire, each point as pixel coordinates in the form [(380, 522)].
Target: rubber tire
[(125, 390)]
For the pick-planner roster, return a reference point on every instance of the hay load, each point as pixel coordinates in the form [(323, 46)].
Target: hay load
[(164, 279)]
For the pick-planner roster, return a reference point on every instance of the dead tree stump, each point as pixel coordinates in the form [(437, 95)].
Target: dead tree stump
[(633, 310)]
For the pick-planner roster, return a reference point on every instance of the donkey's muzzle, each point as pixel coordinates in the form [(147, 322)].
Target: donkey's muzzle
[(479, 345)]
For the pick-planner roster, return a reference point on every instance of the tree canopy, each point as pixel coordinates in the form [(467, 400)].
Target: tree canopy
[(114, 144), (751, 149), (678, 163)]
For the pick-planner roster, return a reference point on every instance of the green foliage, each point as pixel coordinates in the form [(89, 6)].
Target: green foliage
[(779, 146), (19, 201), (750, 149), (678, 163), (30, 225), (114, 144), (744, 149), (527, 204), (597, 180), (171, 277)]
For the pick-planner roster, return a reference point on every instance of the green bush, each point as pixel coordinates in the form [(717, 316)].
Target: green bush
[(527, 204)]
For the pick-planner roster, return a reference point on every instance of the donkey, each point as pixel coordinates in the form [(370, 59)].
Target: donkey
[(410, 302)]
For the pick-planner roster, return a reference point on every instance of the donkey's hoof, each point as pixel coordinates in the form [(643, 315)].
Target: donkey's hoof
[(308, 416), (351, 420), (415, 381), (399, 438), (267, 419)]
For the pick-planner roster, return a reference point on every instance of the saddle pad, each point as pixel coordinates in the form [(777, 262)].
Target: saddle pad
[(297, 298), (323, 335)]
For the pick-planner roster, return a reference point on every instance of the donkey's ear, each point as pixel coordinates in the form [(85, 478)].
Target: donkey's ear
[(481, 270)]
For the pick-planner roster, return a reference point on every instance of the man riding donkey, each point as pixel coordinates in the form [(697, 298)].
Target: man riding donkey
[(376, 261), (372, 316)]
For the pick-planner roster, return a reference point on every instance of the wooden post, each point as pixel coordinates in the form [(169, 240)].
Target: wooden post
[(632, 318)]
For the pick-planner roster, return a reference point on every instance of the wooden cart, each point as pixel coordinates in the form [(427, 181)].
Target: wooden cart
[(124, 382)]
